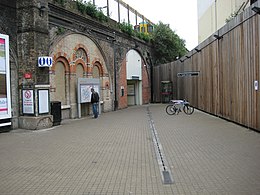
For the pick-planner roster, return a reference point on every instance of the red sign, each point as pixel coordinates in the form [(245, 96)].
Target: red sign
[(27, 94), (28, 75)]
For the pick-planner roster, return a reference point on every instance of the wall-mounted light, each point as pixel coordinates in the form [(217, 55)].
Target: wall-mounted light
[(197, 50), (256, 9), (218, 37)]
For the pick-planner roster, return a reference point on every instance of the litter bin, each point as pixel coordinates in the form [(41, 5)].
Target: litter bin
[(56, 112)]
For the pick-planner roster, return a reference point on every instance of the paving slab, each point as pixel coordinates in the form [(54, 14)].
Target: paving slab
[(116, 155)]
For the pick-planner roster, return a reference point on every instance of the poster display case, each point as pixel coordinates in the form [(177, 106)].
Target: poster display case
[(84, 86)]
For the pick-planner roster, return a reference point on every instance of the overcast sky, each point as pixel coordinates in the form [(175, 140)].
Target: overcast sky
[(181, 15)]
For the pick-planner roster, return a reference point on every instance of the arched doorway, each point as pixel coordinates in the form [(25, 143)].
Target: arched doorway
[(60, 83), (134, 78), (81, 57)]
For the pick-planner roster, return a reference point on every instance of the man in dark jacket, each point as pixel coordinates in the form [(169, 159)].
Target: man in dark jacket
[(94, 102)]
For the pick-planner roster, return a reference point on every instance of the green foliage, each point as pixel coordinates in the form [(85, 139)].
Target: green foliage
[(60, 30), (101, 16), (126, 28), (91, 10), (81, 6), (167, 44), (144, 36)]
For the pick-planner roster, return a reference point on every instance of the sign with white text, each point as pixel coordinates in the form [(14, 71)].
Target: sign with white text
[(28, 101), (43, 95)]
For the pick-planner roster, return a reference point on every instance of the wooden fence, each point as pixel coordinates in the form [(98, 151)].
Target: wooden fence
[(220, 75)]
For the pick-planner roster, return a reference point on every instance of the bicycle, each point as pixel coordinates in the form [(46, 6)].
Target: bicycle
[(177, 106)]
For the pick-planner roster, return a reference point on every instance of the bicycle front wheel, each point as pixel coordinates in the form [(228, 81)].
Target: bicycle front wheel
[(188, 109), (171, 110)]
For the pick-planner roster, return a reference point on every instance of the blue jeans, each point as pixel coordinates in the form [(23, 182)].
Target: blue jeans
[(95, 109)]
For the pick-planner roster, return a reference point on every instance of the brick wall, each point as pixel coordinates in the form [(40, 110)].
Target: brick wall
[(8, 26), (58, 32)]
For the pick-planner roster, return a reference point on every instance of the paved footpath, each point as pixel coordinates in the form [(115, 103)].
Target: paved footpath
[(128, 151)]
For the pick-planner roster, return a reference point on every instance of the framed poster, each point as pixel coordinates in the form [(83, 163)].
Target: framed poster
[(85, 92), (28, 101), (84, 89), (5, 94), (43, 95)]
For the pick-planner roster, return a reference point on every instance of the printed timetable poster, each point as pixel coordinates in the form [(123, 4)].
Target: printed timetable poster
[(5, 96), (84, 89), (85, 92)]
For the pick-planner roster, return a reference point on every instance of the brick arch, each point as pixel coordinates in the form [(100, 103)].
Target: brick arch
[(77, 62), (83, 71), (61, 57), (96, 62), (80, 46), (80, 61), (144, 62)]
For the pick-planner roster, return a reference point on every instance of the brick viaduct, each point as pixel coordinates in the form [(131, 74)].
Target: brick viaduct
[(81, 47)]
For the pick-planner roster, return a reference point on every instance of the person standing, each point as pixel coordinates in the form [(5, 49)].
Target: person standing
[(94, 102)]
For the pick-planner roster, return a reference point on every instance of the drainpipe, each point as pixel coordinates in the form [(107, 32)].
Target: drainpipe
[(115, 72)]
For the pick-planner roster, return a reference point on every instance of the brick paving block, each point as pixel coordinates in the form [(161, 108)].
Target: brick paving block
[(115, 154)]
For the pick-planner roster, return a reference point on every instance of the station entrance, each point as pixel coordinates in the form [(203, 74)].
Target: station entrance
[(134, 78), (134, 91)]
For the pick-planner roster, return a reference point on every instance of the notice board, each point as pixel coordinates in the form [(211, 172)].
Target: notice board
[(84, 89)]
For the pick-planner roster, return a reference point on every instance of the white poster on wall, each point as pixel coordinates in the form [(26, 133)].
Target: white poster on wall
[(43, 101), (85, 92)]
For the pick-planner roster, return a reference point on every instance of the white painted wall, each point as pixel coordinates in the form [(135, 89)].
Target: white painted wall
[(133, 65), (212, 15)]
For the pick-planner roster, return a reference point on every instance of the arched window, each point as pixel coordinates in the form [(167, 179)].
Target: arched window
[(96, 72), (79, 71), (60, 83), (81, 54)]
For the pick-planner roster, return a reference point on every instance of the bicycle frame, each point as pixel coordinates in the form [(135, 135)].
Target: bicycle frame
[(177, 106)]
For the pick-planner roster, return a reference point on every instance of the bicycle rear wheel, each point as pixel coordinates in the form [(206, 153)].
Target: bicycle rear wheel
[(188, 109), (171, 109)]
